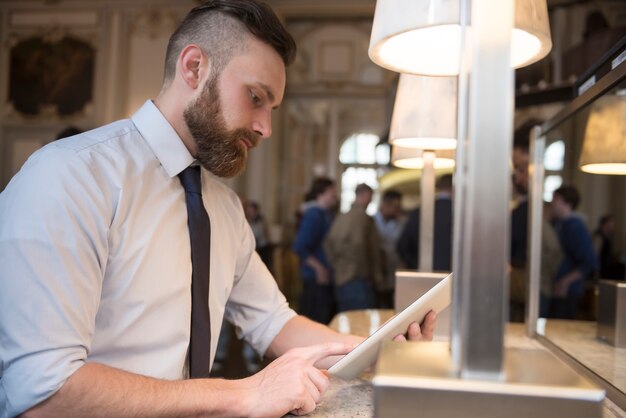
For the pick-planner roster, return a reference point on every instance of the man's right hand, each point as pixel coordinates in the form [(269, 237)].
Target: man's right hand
[(291, 383)]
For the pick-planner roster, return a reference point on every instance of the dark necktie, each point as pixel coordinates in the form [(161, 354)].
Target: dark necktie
[(200, 236)]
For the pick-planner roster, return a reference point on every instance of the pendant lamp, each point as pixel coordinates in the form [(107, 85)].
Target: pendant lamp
[(424, 36), (604, 146), (424, 113), (402, 157)]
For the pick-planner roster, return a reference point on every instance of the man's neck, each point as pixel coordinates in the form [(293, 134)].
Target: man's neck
[(173, 111)]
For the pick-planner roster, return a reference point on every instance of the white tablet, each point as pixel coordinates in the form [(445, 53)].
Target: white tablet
[(364, 354)]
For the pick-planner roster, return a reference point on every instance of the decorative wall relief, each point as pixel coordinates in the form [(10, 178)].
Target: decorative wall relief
[(339, 53), (51, 76), (155, 23)]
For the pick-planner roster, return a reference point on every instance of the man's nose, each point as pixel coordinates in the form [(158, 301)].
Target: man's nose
[(263, 124)]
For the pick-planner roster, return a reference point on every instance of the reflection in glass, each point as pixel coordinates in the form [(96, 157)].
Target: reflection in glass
[(604, 149), (550, 184), (601, 195), (555, 155)]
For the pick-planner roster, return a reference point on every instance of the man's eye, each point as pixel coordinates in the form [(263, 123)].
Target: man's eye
[(255, 99)]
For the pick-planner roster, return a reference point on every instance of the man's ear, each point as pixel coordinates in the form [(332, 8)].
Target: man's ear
[(191, 64)]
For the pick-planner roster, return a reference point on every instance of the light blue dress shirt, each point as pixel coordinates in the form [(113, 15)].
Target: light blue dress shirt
[(95, 261)]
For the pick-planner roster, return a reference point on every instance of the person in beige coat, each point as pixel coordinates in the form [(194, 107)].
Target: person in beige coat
[(353, 249)]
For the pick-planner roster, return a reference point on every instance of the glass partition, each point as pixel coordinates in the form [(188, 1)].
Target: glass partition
[(558, 163)]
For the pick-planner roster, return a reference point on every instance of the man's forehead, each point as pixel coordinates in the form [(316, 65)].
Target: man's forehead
[(263, 71)]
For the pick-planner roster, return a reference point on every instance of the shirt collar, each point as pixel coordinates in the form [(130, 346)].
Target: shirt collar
[(162, 139)]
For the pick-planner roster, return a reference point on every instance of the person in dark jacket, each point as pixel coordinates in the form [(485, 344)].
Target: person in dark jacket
[(408, 244), (317, 299)]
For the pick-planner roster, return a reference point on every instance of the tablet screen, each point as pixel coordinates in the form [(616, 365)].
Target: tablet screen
[(364, 355)]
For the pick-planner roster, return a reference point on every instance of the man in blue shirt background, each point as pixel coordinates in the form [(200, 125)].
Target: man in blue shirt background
[(579, 258)]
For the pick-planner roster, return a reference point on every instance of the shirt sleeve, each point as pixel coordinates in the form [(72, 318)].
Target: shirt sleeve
[(52, 249), (256, 306)]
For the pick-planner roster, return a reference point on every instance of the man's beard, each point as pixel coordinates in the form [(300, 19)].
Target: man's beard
[(219, 150)]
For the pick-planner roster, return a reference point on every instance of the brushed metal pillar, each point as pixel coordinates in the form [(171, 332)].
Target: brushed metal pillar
[(535, 225), (481, 230), (427, 213)]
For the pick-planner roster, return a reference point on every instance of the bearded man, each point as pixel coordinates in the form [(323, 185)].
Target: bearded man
[(102, 249)]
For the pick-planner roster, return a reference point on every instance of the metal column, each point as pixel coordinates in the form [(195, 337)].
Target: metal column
[(481, 229), (535, 225)]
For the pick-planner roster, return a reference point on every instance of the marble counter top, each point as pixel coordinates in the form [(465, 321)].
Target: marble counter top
[(578, 339), (354, 398)]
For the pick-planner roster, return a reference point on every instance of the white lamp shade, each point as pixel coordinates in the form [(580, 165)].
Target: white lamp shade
[(424, 113), (402, 157), (424, 36), (604, 147)]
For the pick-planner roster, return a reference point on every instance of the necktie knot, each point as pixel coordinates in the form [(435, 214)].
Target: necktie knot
[(190, 179)]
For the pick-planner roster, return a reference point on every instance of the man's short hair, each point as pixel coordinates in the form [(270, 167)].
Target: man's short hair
[(391, 195), (521, 136), (319, 186), (569, 194), (362, 188), (220, 28)]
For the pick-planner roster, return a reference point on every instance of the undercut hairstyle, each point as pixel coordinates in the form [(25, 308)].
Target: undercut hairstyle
[(569, 194), (220, 28)]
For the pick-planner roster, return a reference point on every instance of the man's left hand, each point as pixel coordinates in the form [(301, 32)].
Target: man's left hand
[(423, 332)]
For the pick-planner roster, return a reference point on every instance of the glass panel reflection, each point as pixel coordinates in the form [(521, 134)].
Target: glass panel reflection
[(601, 212)]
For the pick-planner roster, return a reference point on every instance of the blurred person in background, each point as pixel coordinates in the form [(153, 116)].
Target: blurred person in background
[(550, 250), (317, 298), (578, 261), (611, 267), (389, 222), (353, 249), (408, 244), (255, 218)]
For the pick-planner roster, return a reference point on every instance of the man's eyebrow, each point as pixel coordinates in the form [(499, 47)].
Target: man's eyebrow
[(269, 93)]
